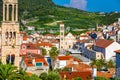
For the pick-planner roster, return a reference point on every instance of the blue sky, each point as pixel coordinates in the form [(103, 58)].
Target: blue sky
[(92, 5)]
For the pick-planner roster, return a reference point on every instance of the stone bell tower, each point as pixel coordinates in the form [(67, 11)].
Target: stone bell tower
[(10, 42)]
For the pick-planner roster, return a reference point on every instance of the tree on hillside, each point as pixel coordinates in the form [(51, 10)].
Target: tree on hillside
[(53, 54), (94, 63), (44, 52), (34, 77), (77, 78), (8, 72), (101, 64), (53, 76), (110, 64), (101, 78), (43, 76), (23, 75)]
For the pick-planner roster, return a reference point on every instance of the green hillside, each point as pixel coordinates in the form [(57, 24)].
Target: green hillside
[(44, 13)]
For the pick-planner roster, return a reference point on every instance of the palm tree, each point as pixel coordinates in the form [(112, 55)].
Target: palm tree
[(22, 75), (8, 72), (43, 76), (44, 52), (101, 64), (110, 64), (53, 54), (53, 76), (94, 63)]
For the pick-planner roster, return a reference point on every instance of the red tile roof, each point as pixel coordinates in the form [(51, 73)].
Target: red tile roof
[(48, 35), (104, 74), (71, 75), (80, 67), (75, 59), (28, 62), (30, 45), (41, 60), (103, 43), (64, 57), (117, 51), (44, 44), (24, 38), (32, 55)]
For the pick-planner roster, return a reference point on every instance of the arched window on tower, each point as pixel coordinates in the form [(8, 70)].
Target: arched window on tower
[(7, 59), (10, 35), (14, 34), (6, 35), (12, 59)]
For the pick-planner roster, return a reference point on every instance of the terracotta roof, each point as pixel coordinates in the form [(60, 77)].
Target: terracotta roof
[(83, 41), (75, 59), (71, 75), (48, 35), (28, 62), (117, 51), (64, 57), (31, 55), (41, 60), (22, 32), (24, 38), (104, 74), (103, 43), (55, 41), (83, 36), (44, 44), (30, 45), (80, 67)]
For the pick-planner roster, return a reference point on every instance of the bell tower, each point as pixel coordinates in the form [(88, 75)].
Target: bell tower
[(10, 33), (62, 43)]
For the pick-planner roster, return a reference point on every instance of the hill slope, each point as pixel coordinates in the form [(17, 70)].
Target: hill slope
[(44, 13)]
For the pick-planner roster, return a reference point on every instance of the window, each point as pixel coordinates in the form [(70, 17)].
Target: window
[(62, 28), (6, 35), (12, 59), (10, 36), (14, 34), (8, 59), (38, 64)]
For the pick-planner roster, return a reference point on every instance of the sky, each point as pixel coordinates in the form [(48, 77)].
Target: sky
[(91, 5)]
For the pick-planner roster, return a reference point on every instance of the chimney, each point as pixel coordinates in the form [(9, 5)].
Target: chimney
[(94, 72)]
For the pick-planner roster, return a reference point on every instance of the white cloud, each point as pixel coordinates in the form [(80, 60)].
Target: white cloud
[(79, 4)]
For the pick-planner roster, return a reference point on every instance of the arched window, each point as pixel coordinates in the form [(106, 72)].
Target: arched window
[(6, 35), (10, 35), (7, 59), (12, 59), (14, 34)]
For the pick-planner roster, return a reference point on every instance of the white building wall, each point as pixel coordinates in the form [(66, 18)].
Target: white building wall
[(62, 63), (110, 50)]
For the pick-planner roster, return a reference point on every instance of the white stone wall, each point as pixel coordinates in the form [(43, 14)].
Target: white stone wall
[(109, 51)]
